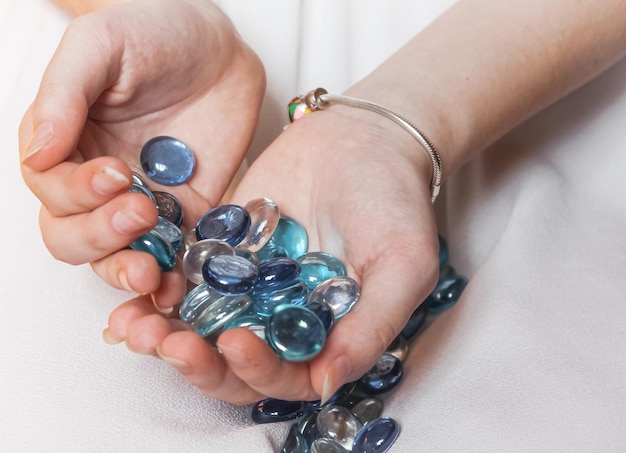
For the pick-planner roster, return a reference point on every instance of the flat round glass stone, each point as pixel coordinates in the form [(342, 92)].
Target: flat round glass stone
[(230, 274), (138, 188), (251, 321), (295, 333), (271, 250), (339, 424), (415, 322), (290, 236), (399, 348), (276, 273), (264, 216), (197, 254), (196, 301), (383, 376), (138, 179), (295, 442), (190, 238), (167, 161), (265, 303), (157, 246), (171, 233), (216, 314), (368, 409), (272, 410), (376, 436), (307, 425), (446, 293), (248, 254), (169, 207), (318, 267), (446, 271), (326, 445), (227, 222), (340, 293), (444, 251), (323, 311)]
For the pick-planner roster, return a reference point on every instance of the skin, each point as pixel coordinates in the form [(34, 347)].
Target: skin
[(358, 183)]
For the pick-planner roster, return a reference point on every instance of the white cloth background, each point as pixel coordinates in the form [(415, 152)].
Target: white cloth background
[(531, 359)]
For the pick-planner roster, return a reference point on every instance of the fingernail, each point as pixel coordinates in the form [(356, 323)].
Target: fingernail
[(336, 375), (178, 363), (127, 221), (108, 338), (234, 356), (163, 310), (123, 278), (108, 180), (41, 137)]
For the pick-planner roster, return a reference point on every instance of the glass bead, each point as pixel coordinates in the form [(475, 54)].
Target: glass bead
[(253, 322), (171, 233), (197, 254), (157, 246), (446, 271), (295, 333), (307, 426), (339, 424), (229, 274), (446, 294), (264, 216), (227, 222), (340, 293), (444, 251), (138, 188), (169, 207), (216, 314), (294, 443), (276, 273), (264, 303), (383, 376), (271, 250), (248, 254), (323, 311), (138, 179), (190, 238), (196, 301), (167, 161), (273, 410), (326, 445), (399, 348), (415, 322), (368, 409), (376, 436), (318, 267), (290, 236), (296, 109)]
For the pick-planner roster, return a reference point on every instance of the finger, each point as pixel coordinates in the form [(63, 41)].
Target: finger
[(82, 238), (145, 333), (122, 316), (130, 270)]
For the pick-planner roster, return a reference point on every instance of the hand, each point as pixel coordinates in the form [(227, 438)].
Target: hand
[(360, 186), (120, 76)]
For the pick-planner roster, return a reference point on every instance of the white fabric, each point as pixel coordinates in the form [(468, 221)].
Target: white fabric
[(531, 359)]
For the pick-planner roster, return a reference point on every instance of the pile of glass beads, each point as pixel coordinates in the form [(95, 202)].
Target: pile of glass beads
[(252, 269)]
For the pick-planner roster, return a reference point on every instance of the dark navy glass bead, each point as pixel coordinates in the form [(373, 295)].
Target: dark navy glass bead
[(368, 409), (399, 348), (169, 207), (376, 436), (265, 303), (318, 267), (444, 251), (157, 246), (274, 410), (229, 274), (324, 312), (340, 293), (415, 322), (227, 222), (276, 273), (264, 216), (446, 294), (167, 161), (290, 236), (171, 233), (216, 314), (339, 424), (295, 333), (383, 376)]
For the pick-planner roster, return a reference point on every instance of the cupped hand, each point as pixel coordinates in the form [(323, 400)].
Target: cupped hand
[(360, 186), (120, 76)]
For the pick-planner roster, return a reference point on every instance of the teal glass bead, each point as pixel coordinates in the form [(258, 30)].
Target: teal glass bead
[(295, 333), (169, 207), (227, 222), (446, 294), (326, 445), (230, 274), (253, 322), (340, 293), (339, 424), (198, 253), (171, 233), (216, 314), (167, 161), (446, 271), (157, 246), (264, 216), (319, 266), (377, 436), (271, 250), (368, 409), (196, 301), (290, 236), (264, 303)]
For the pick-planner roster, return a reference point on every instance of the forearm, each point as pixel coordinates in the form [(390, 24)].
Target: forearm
[(485, 66)]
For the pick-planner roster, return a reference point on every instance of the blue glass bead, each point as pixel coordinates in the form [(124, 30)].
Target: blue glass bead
[(444, 251), (415, 322), (198, 253), (171, 233), (229, 274), (446, 271), (265, 303), (272, 410), (169, 207), (290, 236), (196, 301), (216, 314), (264, 216), (167, 161), (295, 333), (326, 445), (295, 442), (376, 436), (383, 376), (339, 424), (228, 223), (138, 188), (446, 294), (157, 246), (324, 312), (318, 267), (368, 409), (271, 250), (340, 293), (276, 273), (253, 322), (399, 348)]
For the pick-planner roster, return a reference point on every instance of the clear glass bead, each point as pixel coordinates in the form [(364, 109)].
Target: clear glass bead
[(368, 409), (251, 321), (167, 161), (318, 267), (142, 189), (171, 233), (340, 293), (196, 301), (339, 424), (216, 314), (264, 216), (197, 254), (326, 445)]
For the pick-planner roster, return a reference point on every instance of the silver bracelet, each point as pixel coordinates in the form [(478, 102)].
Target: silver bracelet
[(319, 99)]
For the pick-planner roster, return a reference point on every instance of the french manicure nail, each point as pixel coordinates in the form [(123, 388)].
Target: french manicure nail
[(108, 338), (175, 362), (336, 375), (41, 137), (127, 221), (164, 310), (235, 356), (108, 180)]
